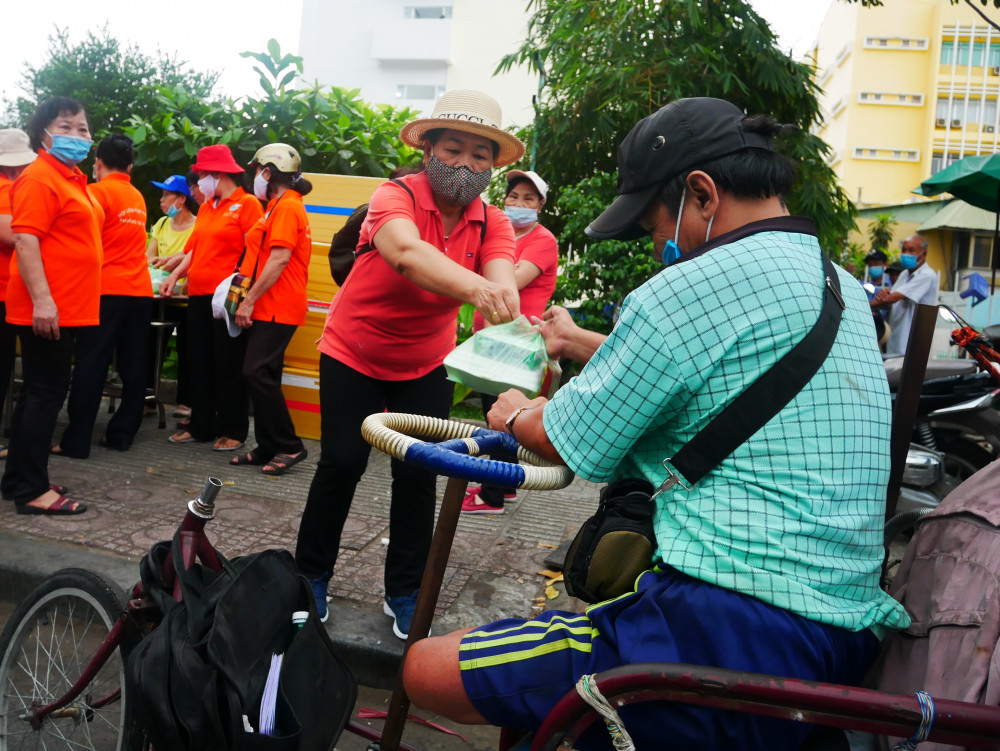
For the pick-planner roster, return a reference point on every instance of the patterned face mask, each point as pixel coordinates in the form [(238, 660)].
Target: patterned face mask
[(457, 184)]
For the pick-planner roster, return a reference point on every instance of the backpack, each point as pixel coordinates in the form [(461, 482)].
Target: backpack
[(200, 675), (344, 250)]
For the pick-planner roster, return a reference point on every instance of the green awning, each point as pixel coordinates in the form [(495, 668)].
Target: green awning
[(960, 215)]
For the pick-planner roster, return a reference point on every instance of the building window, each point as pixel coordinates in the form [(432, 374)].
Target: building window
[(837, 108), (982, 251), (994, 56), (896, 43), (886, 155), (963, 53), (947, 52), (427, 11), (418, 91), (937, 162), (990, 111), (978, 53), (905, 99)]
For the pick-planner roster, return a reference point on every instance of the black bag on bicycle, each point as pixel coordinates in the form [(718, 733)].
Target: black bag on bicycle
[(197, 681)]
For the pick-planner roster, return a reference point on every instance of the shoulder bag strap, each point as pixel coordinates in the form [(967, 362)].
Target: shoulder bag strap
[(766, 396), (263, 242), (367, 247)]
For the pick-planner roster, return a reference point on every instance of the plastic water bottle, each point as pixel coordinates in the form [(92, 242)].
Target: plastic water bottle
[(299, 618)]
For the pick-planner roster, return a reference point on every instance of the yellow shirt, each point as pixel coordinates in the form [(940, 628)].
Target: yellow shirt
[(169, 240)]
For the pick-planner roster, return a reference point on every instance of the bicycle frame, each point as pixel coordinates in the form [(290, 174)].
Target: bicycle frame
[(140, 612)]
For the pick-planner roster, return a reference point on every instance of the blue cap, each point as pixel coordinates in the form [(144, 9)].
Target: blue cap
[(175, 184)]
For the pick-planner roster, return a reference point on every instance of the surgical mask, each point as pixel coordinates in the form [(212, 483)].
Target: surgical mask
[(69, 149), (208, 185), (520, 216), (173, 211), (260, 186), (875, 272), (671, 251), (460, 185), (908, 261)]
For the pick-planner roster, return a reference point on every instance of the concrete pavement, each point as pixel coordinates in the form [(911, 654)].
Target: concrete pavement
[(138, 497)]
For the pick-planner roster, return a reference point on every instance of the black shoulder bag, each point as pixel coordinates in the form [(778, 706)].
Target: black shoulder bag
[(615, 545)]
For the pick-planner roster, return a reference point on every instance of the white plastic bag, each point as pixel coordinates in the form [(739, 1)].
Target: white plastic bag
[(507, 356)]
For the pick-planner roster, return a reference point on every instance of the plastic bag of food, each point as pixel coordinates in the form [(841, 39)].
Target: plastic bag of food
[(507, 356)]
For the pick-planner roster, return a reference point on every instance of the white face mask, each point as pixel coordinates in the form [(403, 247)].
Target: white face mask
[(260, 186), (208, 185)]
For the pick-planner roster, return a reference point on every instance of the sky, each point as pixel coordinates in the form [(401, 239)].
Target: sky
[(209, 35)]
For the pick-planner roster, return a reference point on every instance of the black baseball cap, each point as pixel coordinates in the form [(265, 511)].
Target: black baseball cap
[(876, 256), (676, 138)]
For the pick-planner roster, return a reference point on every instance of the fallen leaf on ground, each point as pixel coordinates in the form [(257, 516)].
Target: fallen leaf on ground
[(228, 482), (549, 573), (553, 580), (547, 545), (551, 592)]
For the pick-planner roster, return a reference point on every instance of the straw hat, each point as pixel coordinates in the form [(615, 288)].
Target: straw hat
[(471, 112), (14, 149)]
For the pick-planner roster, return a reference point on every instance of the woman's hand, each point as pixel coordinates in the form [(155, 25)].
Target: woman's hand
[(564, 339), (244, 314), (167, 286), (168, 263), (496, 303), (45, 318)]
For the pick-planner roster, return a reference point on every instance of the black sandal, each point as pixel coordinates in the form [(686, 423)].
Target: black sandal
[(249, 459), (281, 463)]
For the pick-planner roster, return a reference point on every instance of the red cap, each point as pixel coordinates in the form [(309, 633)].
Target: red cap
[(217, 158)]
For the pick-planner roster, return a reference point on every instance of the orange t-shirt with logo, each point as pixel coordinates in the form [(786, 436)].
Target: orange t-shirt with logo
[(50, 200), (219, 238), (123, 236), (382, 324), (6, 251), (284, 225)]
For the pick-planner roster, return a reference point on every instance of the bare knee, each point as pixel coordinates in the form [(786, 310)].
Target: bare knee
[(433, 679)]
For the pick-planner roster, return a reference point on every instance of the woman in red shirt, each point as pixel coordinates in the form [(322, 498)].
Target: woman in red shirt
[(219, 405), (433, 245), (15, 155), (126, 309), (278, 250), (55, 287)]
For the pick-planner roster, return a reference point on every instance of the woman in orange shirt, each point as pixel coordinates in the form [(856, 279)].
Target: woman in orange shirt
[(55, 287), (219, 405), (126, 309), (278, 250), (15, 155)]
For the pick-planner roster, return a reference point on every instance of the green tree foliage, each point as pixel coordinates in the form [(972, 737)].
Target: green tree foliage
[(334, 130), (880, 231), (609, 63), (113, 81)]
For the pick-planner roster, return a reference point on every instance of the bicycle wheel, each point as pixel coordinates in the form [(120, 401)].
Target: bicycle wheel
[(45, 647)]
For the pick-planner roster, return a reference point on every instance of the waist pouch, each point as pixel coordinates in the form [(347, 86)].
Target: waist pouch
[(613, 546)]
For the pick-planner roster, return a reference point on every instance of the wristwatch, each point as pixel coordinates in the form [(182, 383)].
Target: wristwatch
[(510, 420)]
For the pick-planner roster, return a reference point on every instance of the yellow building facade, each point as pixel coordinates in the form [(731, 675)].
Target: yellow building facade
[(907, 89)]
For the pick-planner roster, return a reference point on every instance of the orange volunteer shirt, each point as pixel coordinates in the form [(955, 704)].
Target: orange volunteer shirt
[(123, 236), (540, 248), (219, 238), (6, 251), (284, 225), (50, 201), (385, 326)]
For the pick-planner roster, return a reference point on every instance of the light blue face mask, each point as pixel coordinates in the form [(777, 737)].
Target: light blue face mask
[(671, 251), (69, 149), (173, 211), (521, 216), (875, 272), (908, 261)]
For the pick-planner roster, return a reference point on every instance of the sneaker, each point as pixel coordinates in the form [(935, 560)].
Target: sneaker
[(509, 495), (473, 505), (400, 609), (319, 586)]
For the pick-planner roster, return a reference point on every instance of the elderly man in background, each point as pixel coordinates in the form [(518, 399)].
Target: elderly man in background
[(917, 285)]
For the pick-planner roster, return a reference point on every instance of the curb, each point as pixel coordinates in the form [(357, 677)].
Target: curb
[(26, 561)]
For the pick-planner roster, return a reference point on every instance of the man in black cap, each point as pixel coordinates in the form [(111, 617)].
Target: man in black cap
[(770, 562), (876, 280)]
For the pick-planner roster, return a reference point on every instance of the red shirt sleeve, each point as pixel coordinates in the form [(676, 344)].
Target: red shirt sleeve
[(389, 201), (285, 227), (541, 249), (34, 206)]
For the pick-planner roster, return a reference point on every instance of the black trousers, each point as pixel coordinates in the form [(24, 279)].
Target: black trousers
[(8, 353), (272, 425), (123, 334), (347, 397), (493, 494), (45, 365), (219, 404)]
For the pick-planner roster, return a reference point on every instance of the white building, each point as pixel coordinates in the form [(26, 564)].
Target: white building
[(398, 52)]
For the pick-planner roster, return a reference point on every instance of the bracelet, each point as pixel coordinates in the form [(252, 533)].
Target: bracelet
[(510, 420)]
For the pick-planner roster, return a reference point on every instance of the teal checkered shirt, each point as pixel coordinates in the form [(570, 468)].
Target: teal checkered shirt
[(794, 516)]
